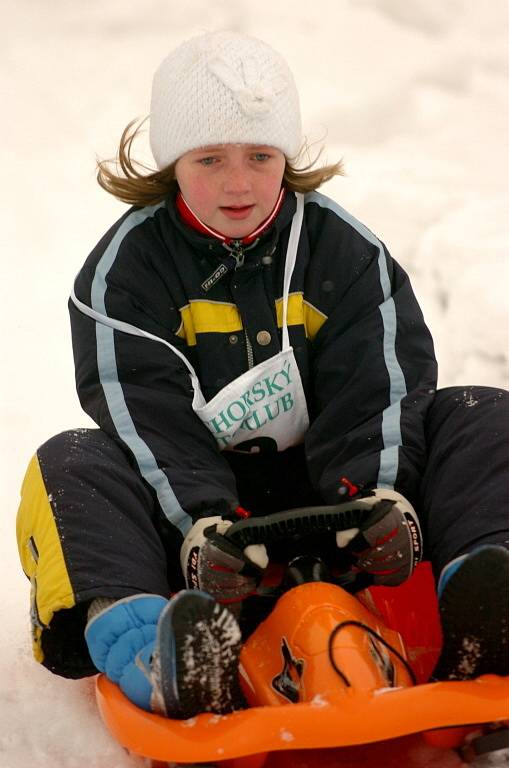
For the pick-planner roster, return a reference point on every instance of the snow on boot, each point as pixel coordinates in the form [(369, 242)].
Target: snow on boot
[(194, 667), (474, 612)]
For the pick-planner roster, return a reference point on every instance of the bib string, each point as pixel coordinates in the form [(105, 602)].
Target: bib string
[(291, 258)]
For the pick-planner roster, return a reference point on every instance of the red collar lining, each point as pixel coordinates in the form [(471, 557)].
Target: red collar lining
[(193, 221)]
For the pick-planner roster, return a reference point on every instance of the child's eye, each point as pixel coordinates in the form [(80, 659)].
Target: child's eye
[(261, 156), (207, 160)]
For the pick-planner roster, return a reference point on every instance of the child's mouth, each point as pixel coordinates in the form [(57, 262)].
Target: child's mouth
[(237, 212)]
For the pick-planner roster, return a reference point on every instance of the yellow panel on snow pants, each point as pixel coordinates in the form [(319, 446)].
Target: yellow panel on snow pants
[(41, 555)]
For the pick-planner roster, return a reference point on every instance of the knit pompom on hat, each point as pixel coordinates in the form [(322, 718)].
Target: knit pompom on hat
[(223, 88)]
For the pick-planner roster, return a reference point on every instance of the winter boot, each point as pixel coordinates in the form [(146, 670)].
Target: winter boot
[(177, 657), (473, 596), (194, 665)]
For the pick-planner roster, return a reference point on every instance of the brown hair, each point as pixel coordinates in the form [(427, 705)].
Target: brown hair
[(135, 183)]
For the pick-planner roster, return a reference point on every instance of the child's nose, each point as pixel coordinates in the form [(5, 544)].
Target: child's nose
[(237, 180)]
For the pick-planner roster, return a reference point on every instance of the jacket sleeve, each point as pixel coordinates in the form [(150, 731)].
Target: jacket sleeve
[(374, 377), (136, 388)]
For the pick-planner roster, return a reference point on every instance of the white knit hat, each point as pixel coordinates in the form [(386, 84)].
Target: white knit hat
[(223, 88)]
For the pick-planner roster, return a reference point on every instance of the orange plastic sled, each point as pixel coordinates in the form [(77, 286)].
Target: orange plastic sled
[(330, 680)]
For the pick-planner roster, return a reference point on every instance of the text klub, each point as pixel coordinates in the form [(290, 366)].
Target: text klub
[(263, 403)]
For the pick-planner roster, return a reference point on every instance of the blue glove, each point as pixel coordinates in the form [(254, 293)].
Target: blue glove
[(120, 641)]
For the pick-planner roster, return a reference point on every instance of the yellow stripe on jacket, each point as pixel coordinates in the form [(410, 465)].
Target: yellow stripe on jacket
[(202, 316)]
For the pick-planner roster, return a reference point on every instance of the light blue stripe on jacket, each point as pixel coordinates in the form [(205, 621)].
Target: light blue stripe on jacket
[(391, 416), (108, 375)]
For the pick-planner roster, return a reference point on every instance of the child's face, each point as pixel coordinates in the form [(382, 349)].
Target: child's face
[(231, 187)]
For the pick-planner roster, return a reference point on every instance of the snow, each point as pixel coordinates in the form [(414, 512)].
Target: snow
[(471, 653), (412, 94), (319, 701)]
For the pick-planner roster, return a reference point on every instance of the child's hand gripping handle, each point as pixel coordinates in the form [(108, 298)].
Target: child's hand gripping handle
[(211, 561), (379, 534)]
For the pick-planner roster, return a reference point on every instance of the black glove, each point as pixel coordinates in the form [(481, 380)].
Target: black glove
[(388, 545), (214, 564)]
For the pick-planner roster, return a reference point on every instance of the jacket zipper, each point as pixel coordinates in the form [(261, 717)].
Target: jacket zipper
[(249, 350), (237, 251)]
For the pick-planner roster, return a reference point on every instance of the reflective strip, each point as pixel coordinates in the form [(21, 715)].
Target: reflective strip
[(391, 416), (108, 373), (133, 330)]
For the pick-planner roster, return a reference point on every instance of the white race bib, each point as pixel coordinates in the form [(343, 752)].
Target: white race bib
[(266, 402)]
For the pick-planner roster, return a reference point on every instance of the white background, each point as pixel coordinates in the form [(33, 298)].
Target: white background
[(412, 94)]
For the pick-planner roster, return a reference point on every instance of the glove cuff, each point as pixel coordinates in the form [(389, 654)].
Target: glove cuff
[(193, 542), (410, 516), (391, 494)]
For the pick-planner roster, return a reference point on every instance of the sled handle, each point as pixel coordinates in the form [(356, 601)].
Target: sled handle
[(298, 523)]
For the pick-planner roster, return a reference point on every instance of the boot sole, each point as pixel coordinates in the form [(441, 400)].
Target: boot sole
[(198, 644), (474, 612)]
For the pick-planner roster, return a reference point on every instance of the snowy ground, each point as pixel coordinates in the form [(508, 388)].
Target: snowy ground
[(413, 94)]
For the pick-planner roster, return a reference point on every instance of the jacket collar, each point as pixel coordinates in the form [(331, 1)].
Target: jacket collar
[(212, 245), (189, 216)]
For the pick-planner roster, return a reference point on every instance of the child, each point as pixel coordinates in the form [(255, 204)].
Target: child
[(244, 343)]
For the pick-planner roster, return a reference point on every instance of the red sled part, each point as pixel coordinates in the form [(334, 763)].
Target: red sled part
[(374, 715)]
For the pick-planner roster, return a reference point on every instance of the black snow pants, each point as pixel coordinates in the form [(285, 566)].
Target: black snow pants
[(89, 526)]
